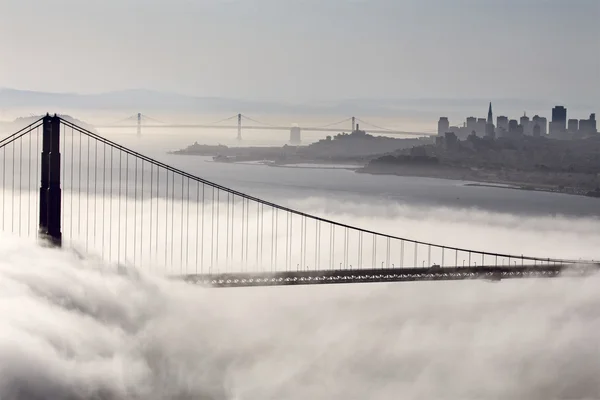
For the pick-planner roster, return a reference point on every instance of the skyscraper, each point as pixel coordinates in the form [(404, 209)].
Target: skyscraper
[(471, 124), (502, 123), (489, 126), (558, 126), (513, 127), (524, 122), (559, 113), (573, 126), (481, 123), (588, 126), (542, 122), (443, 125)]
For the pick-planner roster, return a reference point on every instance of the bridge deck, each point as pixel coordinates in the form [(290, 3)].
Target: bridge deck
[(389, 275)]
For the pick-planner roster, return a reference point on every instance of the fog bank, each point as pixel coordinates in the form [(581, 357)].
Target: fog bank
[(73, 328)]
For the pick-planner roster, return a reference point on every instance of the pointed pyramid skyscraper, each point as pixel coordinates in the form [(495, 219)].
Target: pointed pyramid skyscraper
[(490, 119)]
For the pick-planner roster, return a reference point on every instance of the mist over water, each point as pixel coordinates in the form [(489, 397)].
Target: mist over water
[(75, 328)]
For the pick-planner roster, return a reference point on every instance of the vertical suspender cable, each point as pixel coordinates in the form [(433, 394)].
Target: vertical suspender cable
[(95, 187), (87, 196)]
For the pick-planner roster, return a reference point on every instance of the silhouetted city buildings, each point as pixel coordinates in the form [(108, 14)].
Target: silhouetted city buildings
[(558, 128)]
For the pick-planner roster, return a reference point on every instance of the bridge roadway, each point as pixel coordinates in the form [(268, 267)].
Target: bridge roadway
[(381, 275), (270, 128)]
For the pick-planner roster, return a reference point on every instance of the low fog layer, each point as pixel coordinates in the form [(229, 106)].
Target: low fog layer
[(176, 237), (74, 328)]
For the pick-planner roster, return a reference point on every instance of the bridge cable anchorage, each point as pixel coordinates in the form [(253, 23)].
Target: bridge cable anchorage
[(262, 243)]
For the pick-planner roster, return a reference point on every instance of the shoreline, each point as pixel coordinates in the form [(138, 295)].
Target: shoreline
[(482, 182), (304, 165), (455, 174)]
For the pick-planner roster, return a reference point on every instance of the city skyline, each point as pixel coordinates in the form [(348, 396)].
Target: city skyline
[(558, 127)]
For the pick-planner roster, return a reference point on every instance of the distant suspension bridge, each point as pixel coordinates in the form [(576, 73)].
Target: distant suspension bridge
[(67, 185), (140, 121)]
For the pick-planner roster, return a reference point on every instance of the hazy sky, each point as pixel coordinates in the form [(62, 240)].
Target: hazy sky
[(305, 50)]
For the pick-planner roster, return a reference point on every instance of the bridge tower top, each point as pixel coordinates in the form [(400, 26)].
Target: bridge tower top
[(353, 124), (139, 124), (239, 127)]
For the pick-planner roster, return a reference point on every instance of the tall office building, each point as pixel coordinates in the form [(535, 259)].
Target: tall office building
[(443, 126), (542, 122), (489, 126), (502, 123), (481, 122), (471, 124), (524, 122), (558, 126), (513, 127), (573, 126), (588, 126)]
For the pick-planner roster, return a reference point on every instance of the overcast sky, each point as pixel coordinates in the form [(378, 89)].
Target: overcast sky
[(306, 50)]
